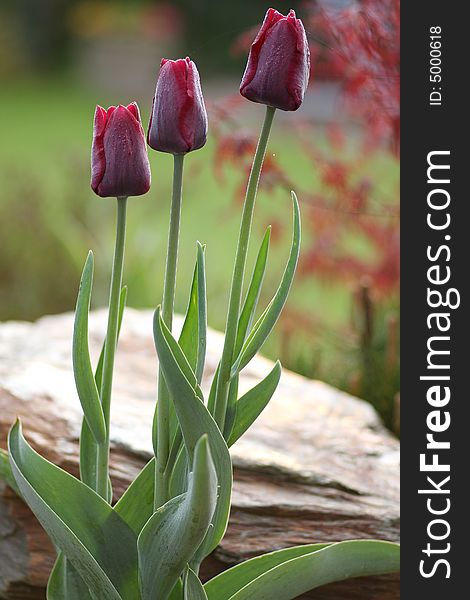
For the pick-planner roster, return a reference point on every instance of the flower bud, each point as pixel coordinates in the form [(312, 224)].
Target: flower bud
[(119, 161), (178, 123), (278, 65)]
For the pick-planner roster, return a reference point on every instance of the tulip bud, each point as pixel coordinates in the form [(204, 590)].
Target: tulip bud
[(178, 123), (119, 161), (278, 65)]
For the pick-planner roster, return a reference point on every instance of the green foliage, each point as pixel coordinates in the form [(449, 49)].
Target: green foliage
[(263, 327), (171, 537), (193, 588), (93, 537), (84, 378), (286, 574)]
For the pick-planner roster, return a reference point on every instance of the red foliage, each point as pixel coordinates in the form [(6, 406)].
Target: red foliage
[(359, 47), (364, 53)]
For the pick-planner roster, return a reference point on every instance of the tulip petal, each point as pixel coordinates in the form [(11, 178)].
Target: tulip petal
[(120, 165), (278, 65)]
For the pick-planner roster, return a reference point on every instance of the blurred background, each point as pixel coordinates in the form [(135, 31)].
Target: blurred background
[(59, 58)]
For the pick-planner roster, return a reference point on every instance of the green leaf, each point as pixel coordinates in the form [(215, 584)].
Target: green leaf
[(88, 456), (195, 421), (254, 290), (244, 323), (175, 531), (193, 334), (88, 445), (6, 473), (193, 588), (227, 583), (179, 473), (232, 407), (180, 358), (252, 404), (263, 327), (84, 379), (212, 392), (65, 583), (98, 543), (293, 577), (177, 592), (135, 506)]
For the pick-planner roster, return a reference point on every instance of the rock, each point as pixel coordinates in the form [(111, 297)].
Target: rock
[(317, 465)]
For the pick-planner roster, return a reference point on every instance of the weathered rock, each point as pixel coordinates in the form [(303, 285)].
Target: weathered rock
[(316, 466)]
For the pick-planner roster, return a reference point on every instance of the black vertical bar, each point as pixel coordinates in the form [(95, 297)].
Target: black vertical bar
[(427, 128)]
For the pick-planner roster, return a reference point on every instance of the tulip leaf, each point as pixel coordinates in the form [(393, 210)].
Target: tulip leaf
[(193, 588), (264, 325), (65, 583), (254, 290), (213, 391), (88, 446), (179, 473), (6, 473), (195, 421), (181, 360), (231, 412), (177, 592), (88, 456), (251, 404), (229, 582), (175, 531), (84, 378), (98, 543), (244, 324), (192, 339), (135, 506), (295, 576)]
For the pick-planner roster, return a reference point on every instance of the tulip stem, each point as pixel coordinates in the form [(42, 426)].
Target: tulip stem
[(231, 329), (162, 414), (110, 344)]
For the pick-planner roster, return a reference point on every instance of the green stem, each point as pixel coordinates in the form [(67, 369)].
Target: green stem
[(110, 344), (231, 328), (162, 415)]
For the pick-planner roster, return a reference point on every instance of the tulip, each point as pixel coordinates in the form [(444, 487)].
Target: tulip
[(178, 123), (119, 161), (278, 65)]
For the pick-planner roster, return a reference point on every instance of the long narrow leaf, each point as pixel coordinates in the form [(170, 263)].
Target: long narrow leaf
[(6, 473), (135, 506), (195, 421), (268, 319), (252, 404), (84, 378), (232, 407), (193, 588), (98, 543), (336, 562), (65, 582), (192, 342), (227, 583), (254, 290), (192, 339), (88, 445), (174, 533)]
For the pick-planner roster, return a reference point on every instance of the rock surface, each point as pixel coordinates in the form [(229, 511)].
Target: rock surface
[(316, 466)]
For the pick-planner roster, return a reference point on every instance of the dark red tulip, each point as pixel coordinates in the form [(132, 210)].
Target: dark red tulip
[(278, 65), (119, 161), (178, 123)]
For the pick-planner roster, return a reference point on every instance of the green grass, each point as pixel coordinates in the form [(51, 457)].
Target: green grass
[(50, 219)]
